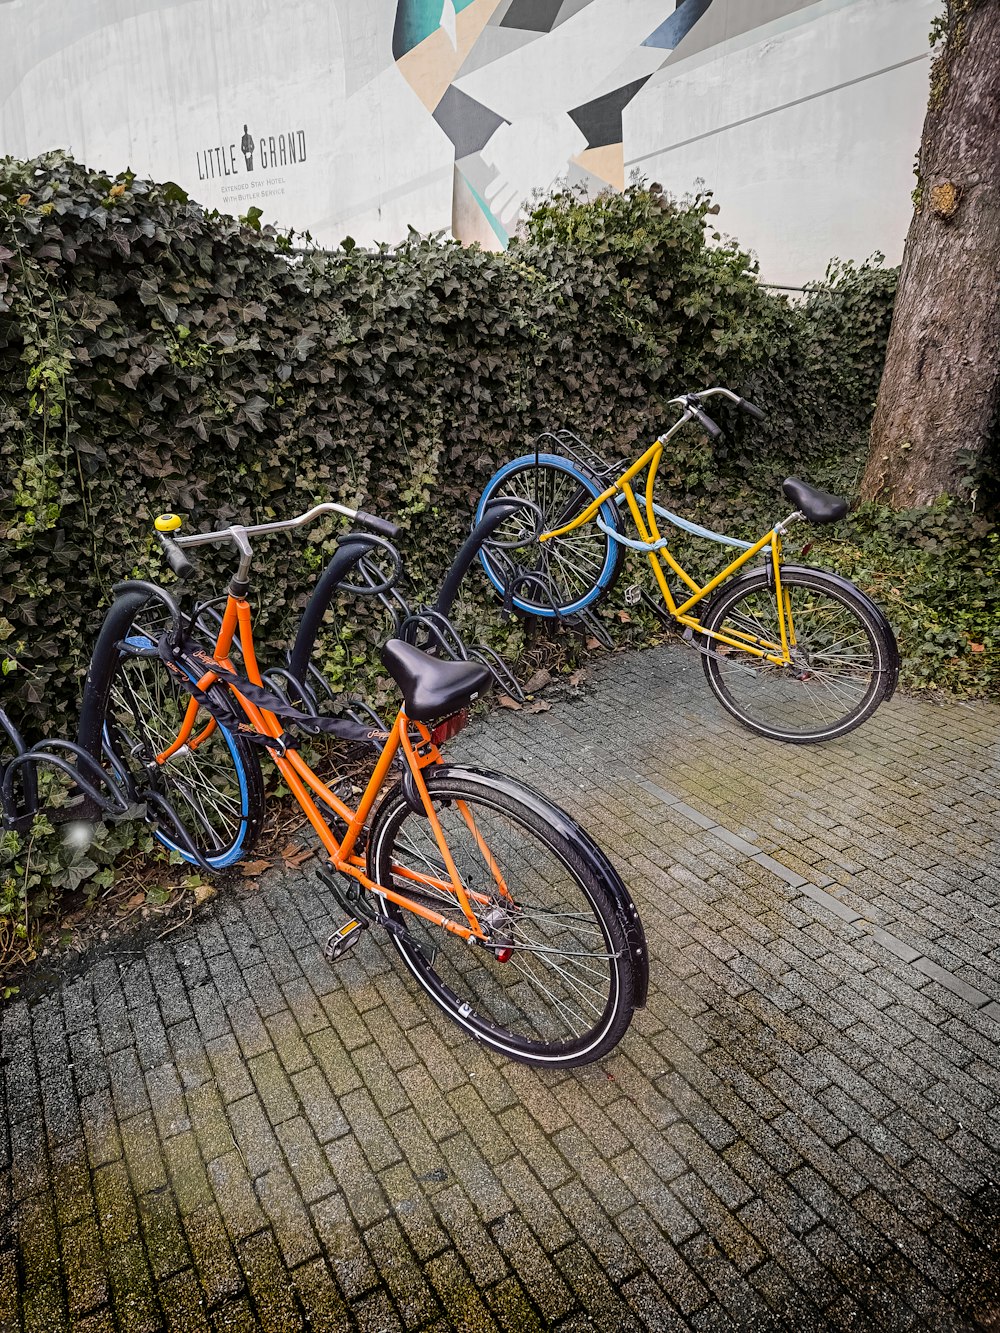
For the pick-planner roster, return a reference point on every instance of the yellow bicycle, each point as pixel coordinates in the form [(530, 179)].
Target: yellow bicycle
[(796, 654)]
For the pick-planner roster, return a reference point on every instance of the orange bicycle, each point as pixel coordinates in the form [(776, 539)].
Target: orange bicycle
[(507, 914)]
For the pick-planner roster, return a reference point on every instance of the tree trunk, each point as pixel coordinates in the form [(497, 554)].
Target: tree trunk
[(940, 393)]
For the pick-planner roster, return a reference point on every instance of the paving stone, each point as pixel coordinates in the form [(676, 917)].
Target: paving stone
[(212, 1255), (267, 1280), (320, 1297), (281, 1201), (220, 1130)]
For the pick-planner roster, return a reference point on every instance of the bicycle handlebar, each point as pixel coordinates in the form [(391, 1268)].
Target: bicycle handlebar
[(239, 535), (380, 525), (176, 558), (692, 405)]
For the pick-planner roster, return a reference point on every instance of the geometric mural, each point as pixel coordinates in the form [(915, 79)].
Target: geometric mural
[(463, 57), (364, 117)]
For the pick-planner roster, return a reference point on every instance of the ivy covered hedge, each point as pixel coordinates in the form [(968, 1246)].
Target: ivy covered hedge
[(157, 356)]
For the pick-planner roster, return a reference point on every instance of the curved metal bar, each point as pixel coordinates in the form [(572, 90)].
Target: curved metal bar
[(375, 581), (179, 833), (497, 512), (316, 674), (34, 757), (397, 607), (591, 623), (29, 785), (528, 578), (91, 766), (366, 715), (439, 627), (350, 551), (502, 674), (275, 678), (153, 590), (514, 503)]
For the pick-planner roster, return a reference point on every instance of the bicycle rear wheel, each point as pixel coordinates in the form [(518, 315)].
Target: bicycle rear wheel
[(555, 985), (132, 713), (565, 574), (842, 657)]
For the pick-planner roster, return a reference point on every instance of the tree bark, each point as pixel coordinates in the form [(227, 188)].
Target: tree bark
[(939, 398)]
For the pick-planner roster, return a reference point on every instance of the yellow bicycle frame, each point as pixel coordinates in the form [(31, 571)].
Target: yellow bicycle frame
[(662, 560)]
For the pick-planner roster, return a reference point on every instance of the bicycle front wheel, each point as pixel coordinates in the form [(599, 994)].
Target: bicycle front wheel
[(841, 656), (565, 574), (132, 715), (554, 984)]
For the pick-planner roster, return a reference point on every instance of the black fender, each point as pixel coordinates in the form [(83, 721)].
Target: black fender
[(891, 673), (588, 850)]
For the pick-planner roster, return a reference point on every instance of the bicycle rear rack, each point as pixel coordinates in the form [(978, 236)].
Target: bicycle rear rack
[(579, 451)]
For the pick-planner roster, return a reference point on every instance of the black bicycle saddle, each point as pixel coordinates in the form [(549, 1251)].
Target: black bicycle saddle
[(818, 506), (432, 688)]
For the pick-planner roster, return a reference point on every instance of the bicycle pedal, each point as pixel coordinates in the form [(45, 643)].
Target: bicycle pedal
[(344, 939), (633, 595)]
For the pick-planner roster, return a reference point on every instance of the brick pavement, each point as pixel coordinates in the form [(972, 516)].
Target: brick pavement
[(219, 1131)]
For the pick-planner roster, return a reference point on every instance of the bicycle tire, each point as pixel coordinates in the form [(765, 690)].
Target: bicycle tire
[(566, 1006), (843, 659), (131, 710), (576, 568)]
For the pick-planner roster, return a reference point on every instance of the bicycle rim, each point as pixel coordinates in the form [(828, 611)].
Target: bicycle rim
[(839, 659), (213, 784), (554, 987), (565, 574)]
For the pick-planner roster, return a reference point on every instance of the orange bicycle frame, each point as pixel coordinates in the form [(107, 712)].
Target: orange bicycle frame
[(303, 782)]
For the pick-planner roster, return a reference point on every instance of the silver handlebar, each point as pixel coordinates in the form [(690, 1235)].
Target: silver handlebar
[(239, 530), (687, 414)]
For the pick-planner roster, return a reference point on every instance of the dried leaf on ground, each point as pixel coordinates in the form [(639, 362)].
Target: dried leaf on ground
[(593, 643), (538, 681), (505, 701), (293, 854), (255, 868), (539, 706), (577, 676)]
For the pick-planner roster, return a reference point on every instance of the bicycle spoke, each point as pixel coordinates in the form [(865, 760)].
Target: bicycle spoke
[(545, 971), (832, 669)]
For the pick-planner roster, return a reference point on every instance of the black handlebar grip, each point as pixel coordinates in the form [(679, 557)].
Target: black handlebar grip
[(176, 559), (380, 525), (706, 422), (751, 410)]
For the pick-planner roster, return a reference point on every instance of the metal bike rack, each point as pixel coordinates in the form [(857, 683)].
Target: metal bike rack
[(517, 578), (19, 799), (427, 627)]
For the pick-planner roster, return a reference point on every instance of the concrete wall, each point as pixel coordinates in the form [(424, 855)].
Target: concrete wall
[(365, 116)]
